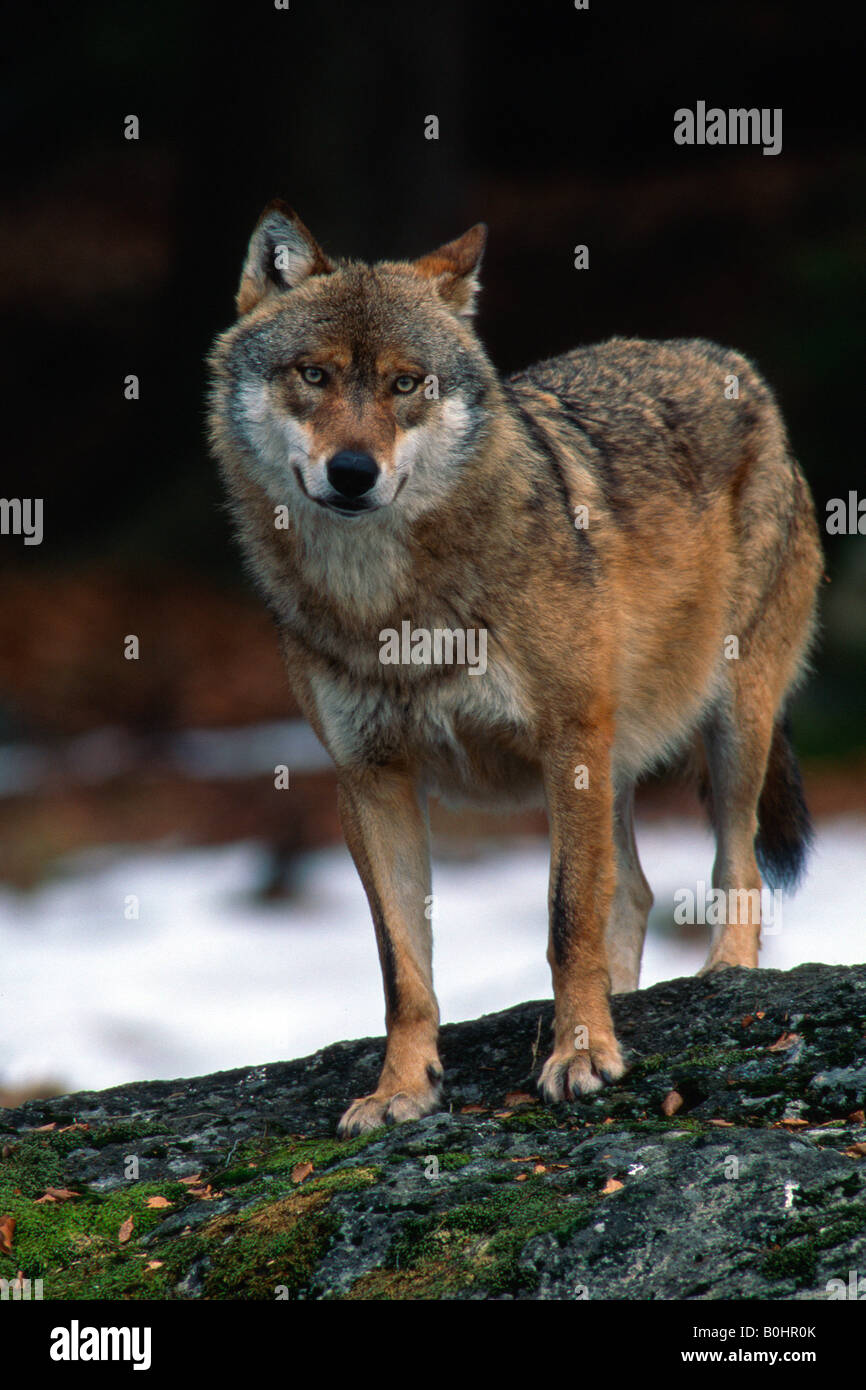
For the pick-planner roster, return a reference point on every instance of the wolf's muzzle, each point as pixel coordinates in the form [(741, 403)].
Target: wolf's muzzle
[(351, 475)]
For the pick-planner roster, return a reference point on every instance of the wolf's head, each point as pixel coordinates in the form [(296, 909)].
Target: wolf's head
[(353, 390)]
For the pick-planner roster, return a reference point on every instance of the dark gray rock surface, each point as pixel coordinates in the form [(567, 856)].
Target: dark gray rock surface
[(753, 1188)]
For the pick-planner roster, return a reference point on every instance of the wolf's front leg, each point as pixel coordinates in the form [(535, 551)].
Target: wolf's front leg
[(582, 876), (386, 830)]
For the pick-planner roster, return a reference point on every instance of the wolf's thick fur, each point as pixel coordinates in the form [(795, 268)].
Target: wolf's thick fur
[(608, 643)]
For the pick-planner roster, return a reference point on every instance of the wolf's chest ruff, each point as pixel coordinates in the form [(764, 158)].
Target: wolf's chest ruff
[(470, 736)]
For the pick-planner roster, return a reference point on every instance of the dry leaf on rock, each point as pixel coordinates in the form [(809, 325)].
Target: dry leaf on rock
[(672, 1102)]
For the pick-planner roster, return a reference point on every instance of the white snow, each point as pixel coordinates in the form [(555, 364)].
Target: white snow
[(210, 978)]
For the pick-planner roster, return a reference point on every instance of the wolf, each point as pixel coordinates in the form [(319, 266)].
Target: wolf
[(627, 526)]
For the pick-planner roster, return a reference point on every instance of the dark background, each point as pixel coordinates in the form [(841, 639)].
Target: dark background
[(556, 127)]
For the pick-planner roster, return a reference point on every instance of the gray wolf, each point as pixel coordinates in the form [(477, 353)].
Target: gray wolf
[(625, 524)]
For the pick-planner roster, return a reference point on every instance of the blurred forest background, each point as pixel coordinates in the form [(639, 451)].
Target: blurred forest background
[(119, 257)]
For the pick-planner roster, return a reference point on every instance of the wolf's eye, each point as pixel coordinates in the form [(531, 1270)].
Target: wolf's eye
[(314, 376), (404, 385)]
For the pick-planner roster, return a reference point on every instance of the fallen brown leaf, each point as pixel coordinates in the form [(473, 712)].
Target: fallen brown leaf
[(474, 1110), (301, 1171), (158, 1202), (516, 1098), (612, 1185), (502, 1114), (126, 1230), (7, 1234), (520, 1177), (791, 1124), (43, 1129), (784, 1042), (857, 1117), (672, 1102), (154, 1264), (723, 1124), (746, 1020), (191, 1180), (204, 1193), (857, 1150), (56, 1194)]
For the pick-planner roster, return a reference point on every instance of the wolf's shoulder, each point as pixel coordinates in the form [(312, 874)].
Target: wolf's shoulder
[(619, 368), (676, 411)]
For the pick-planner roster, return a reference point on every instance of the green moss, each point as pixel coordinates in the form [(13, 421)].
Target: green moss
[(455, 1160), (649, 1126), (265, 1170), (74, 1245), (37, 1161), (277, 1156), (119, 1132), (344, 1180), (537, 1120), (802, 1238), (99, 1275), (244, 1256), (795, 1262), (476, 1245), (54, 1236), (645, 1066), (277, 1246)]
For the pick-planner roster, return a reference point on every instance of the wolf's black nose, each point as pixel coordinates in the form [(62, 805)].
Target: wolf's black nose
[(352, 474)]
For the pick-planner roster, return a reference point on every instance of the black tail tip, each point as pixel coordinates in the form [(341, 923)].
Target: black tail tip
[(785, 831)]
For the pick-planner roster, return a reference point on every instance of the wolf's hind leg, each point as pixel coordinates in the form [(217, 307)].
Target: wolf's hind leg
[(632, 900), (386, 830), (737, 740)]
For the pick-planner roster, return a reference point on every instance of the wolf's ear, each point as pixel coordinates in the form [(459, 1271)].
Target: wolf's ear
[(281, 254), (454, 269)]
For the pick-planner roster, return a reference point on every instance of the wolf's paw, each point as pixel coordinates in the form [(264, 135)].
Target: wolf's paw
[(712, 967), (729, 960), (372, 1111), (566, 1075)]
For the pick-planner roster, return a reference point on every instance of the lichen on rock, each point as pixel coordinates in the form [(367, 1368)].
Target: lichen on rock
[(728, 1163)]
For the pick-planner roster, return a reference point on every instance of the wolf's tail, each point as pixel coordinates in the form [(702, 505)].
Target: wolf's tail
[(785, 832)]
